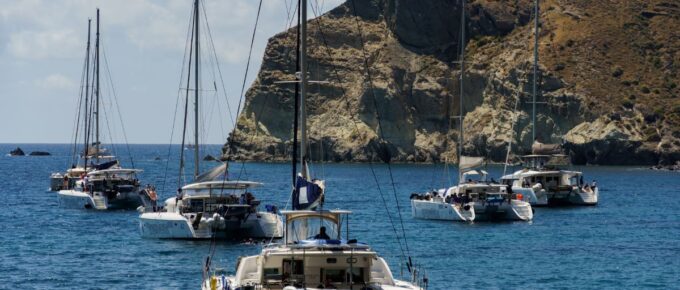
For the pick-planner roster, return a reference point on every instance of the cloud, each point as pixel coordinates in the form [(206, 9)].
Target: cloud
[(56, 82), (43, 44)]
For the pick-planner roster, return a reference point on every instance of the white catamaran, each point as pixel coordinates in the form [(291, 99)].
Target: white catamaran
[(541, 181), (211, 206), (313, 253), (473, 199), (102, 184)]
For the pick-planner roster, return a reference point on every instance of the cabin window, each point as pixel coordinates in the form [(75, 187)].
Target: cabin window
[(334, 275), (331, 260), (293, 267), (358, 276)]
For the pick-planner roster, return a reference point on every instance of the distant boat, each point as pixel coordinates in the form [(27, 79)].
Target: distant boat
[(211, 206), (474, 198), (541, 180), (95, 180)]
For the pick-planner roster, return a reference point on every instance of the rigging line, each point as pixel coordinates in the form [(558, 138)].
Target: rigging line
[(217, 63), (76, 127), (186, 104), (354, 122), (115, 99), (174, 116), (375, 104), (252, 42)]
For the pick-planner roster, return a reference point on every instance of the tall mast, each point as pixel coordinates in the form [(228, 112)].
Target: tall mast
[(533, 103), (97, 91), (303, 86), (462, 74), (87, 93), (196, 54), (296, 114)]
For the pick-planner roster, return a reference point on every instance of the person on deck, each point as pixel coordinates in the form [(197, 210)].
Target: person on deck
[(180, 195), (152, 196), (322, 234)]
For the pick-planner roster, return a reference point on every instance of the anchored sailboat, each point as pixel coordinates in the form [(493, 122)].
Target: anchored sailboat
[(211, 206), (474, 198), (313, 253), (103, 183), (542, 182)]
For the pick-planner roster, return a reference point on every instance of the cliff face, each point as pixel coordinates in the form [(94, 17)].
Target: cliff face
[(607, 80)]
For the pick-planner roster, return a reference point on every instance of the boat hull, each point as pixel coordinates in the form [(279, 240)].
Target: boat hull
[(172, 225), (433, 210), (74, 199)]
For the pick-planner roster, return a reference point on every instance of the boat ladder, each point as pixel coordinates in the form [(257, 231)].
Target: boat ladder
[(99, 202)]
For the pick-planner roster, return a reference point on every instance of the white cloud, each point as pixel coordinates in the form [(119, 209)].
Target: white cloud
[(56, 82), (43, 44)]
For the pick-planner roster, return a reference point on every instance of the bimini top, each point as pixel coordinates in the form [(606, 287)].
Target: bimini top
[(115, 171), (329, 214), (222, 184)]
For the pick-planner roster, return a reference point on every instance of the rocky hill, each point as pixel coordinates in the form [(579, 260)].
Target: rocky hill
[(608, 80)]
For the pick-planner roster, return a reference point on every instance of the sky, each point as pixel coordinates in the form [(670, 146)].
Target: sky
[(42, 51)]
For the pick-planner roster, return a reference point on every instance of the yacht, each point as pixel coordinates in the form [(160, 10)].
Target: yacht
[(473, 199), (211, 206), (312, 255), (541, 181), (213, 209), (99, 182), (470, 200), (116, 188)]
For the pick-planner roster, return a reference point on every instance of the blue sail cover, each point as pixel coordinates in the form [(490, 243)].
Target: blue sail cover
[(305, 193), (106, 165)]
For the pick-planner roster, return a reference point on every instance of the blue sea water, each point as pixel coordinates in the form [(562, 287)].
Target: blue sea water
[(630, 240)]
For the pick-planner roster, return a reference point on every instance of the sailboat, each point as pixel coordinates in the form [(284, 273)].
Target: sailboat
[(211, 206), (103, 184), (474, 198), (313, 253), (541, 181)]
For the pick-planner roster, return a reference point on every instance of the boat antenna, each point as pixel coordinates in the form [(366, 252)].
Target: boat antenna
[(196, 69), (96, 56), (87, 93)]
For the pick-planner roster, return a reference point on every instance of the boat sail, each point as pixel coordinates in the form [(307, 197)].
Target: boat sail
[(211, 206), (103, 183), (313, 253), (542, 182), (474, 198)]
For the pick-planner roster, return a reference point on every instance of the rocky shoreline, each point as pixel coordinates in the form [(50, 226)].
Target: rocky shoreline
[(603, 93)]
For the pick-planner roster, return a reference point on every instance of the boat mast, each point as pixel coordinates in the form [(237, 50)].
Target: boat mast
[(303, 87), (462, 74), (87, 93), (196, 54), (296, 114), (533, 103), (97, 92)]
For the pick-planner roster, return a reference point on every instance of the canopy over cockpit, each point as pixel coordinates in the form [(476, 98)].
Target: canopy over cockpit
[(218, 188), (304, 225)]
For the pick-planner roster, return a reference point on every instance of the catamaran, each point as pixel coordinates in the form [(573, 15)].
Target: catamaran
[(474, 198), (541, 181), (313, 253), (211, 206), (103, 184)]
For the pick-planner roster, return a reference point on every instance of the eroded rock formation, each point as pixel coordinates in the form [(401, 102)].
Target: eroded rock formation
[(608, 82)]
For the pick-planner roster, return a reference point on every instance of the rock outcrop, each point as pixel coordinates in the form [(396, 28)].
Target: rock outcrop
[(17, 152), (607, 80)]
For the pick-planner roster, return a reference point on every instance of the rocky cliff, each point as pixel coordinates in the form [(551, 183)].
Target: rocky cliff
[(608, 82)]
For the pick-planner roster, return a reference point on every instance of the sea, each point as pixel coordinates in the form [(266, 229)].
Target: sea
[(631, 239)]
